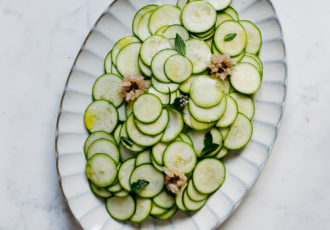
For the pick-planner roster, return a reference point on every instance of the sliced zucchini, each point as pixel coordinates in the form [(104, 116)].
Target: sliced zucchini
[(129, 109), (143, 157), (181, 3), (142, 211), (222, 153), (252, 60), (240, 133), (178, 68), (108, 87), (198, 137), (139, 15), (163, 96), (239, 57), (257, 59), (206, 91), (217, 139), (147, 108), (168, 214), (208, 175), (179, 198), (130, 147), (122, 112), (158, 152), (144, 69), (121, 44), (161, 30), (108, 63), (174, 126), (127, 60), (254, 38), (121, 208), (164, 200), (149, 173), (101, 170), (198, 16), (95, 136), (193, 194), (103, 146), (190, 121), (222, 17), (224, 131), (185, 86), (156, 165), (246, 78), (172, 30), (115, 188), (114, 70), (190, 204), (230, 113), (207, 114), (245, 104), (151, 46), (186, 138), (138, 137), (232, 12), (143, 27), (124, 173), (180, 156), (155, 127), (164, 15), (158, 62), (121, 193), (156, 210), (219, 4), (101, 115), (199, 54), (100, 192), (164, 87), (234, 46)]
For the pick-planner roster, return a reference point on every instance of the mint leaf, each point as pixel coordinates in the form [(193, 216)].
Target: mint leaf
[(208, 139), (180, 45), (127, 141), (229, 37), (209, 149), (139, 184)]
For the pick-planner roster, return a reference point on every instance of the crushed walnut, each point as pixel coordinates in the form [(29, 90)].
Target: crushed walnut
[(221, 66), (132, 87), (174, 180)]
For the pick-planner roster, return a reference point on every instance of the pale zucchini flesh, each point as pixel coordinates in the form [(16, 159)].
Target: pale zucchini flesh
[(143, 157), (199, 53), (245, 104), (158, 62), (190, 204), (95, 136), (254, 38), (190, 121), (103, 146), (121, 44), (155, 127), (164, 15), (230, 113), (164, 200), (151, 46), (174, 126), (246, 78), (124, 173), (142, 211), (178, 68), (147, 108), (127, 60), (121, 208)]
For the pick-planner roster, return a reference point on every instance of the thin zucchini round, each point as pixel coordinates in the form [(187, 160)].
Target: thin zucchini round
[(199, 53), (174, 126), (245, 104), (254, 39), (178, 68), (246, 78), (108, 63), (193, 194), (124, 173), (151, 46), (234, 46), (222, 17), (168, 214), (121, 208), (179, 198), (232, 12), (164, 200), (155, 127), (190, 121), (230, 113), (158, 62), (156, 210), (185, 86), (206, 91), (198, 16), (100, 192), (208, 175), (101, 115), (139, 15), (143, 157), (108, 87), (147, 108), (149, 173), (103, 146), (222, 153), (164, 87), (142, 211), (164, 15), (180, 156), (122, 112), (172, 30), (190, 204), (157, 152), (143, 26), (240, 133), (127, 60), (121, 44), (95, 136), (130, 147), (101, 170)]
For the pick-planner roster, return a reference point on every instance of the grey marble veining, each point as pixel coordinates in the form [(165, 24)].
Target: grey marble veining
[(39, 41)]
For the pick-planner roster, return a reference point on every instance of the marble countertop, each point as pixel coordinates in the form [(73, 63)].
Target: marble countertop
[(38, 43)]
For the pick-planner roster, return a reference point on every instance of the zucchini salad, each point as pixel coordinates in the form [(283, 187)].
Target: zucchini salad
[(174, 100)]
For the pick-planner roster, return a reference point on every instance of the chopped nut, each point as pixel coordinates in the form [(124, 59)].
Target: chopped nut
[(174, 180), (132, 87), (221, 66)]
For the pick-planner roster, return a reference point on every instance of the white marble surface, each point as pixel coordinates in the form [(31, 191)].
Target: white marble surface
[(38, 42)]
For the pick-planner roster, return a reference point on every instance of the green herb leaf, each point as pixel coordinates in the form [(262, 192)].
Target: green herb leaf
[(176, 108), (229, 37), (127, 141), (180, 45), (208, 139), (209, 146), (209, 149), (139, 184)]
